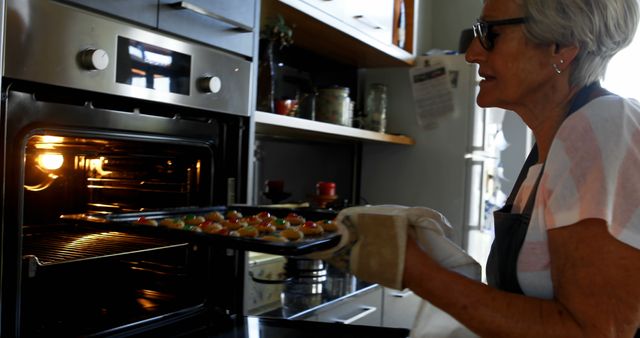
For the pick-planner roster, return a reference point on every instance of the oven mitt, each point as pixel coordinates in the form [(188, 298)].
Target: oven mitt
[(430, 229), (373, 243)]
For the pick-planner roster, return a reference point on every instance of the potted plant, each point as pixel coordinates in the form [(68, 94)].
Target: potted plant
[(275, 35)]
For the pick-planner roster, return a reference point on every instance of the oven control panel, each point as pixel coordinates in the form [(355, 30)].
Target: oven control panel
[(91, 52)]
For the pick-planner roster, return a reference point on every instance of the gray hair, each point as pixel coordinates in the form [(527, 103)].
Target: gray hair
[(600, 28)]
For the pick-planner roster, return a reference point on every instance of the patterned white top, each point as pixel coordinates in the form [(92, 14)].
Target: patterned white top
[(592, 171)]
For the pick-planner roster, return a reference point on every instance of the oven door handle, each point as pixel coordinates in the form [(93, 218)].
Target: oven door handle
[(197, 9)]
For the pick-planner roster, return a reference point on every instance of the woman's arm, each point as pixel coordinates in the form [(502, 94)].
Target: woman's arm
[(596, 281)]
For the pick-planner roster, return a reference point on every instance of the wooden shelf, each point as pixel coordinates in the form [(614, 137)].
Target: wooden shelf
[(280, 125), (326, 35)]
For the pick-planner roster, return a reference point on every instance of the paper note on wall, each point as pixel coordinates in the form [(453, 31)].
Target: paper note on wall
[(432, 94)]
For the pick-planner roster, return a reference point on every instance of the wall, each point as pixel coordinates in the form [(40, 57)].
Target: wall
[(441, 22), (301, 164)]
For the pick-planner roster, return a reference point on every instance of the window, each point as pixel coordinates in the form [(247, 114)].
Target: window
[(623, 73)]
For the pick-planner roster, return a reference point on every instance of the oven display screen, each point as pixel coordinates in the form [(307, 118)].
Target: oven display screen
[(144, 65)]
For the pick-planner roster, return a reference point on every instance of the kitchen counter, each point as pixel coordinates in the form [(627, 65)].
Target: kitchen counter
[(338, 286), (254, 327)]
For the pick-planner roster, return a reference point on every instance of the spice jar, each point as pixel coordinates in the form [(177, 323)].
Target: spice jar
[(376, 108), (332, 105)]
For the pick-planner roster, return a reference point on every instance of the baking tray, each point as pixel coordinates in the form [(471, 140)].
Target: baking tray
[(124, 222)]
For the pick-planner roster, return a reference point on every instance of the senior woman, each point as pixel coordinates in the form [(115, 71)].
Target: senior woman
[(566, 258)]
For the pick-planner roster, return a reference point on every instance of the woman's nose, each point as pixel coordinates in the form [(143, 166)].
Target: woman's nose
[(475, 53)]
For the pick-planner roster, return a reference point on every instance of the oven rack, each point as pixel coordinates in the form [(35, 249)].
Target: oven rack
[(51, 248)]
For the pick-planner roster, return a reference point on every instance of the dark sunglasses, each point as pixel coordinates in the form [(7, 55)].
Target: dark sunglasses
[(483, 30)]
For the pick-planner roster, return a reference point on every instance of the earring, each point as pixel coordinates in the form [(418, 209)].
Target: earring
[(556, 68)]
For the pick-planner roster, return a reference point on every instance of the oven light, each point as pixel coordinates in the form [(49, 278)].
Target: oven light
[(50, 161), (48, 142), (51, 139)]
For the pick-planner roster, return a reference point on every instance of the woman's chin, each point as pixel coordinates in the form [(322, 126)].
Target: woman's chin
[(484, 101)]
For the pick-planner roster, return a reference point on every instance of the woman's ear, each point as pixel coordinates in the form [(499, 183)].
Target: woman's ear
[(565, 53)]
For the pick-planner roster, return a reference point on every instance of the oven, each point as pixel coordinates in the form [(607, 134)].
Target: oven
[(105, 123)]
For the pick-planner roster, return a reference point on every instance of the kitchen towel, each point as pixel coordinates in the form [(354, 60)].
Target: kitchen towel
[(374, 238)]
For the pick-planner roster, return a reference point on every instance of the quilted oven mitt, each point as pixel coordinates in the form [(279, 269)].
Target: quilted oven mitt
[(373, 243)]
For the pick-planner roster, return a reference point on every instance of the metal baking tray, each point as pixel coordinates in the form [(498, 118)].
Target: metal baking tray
[(125, 222)]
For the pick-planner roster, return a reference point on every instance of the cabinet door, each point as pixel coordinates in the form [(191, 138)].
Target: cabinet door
[(227, 24), (141, 11), (335, 8), (400, 308), (372, 17)]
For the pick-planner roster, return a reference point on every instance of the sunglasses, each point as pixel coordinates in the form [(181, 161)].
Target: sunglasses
[(483, 30)]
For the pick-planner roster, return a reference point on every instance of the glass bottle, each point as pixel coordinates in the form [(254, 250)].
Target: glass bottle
[(376, 108)]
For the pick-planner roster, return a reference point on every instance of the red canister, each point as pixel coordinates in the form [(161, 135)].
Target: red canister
[(325, 189)]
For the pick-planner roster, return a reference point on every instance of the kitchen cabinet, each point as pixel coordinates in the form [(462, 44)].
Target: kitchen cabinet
[(356, 32), (400, 308), (372, 17), (227, 24)]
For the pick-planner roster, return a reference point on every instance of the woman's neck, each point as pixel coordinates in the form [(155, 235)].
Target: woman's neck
[(544, 117)]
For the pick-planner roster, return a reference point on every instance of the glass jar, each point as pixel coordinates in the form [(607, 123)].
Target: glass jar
[(376, 108), (332, 106)]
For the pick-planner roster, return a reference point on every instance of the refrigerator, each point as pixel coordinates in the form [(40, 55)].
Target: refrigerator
[(463, 163)]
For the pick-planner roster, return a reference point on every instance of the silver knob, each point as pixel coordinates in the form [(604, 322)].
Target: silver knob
[(210, 84), (94, 59)]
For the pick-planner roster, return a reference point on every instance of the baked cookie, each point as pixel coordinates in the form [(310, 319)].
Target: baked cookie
[(310, 228), (215, 216), (295, 219), (145, 221), (292, 234), (172, 223), (193, 219), (248, 231), (328, 225)]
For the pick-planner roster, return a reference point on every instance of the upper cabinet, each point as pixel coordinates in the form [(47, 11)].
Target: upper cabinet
[(362, 33), (374, 17)]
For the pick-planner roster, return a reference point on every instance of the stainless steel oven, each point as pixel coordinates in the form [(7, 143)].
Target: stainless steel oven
[(102, 117)]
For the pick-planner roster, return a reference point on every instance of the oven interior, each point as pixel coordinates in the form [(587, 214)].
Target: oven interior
[(67, 175)]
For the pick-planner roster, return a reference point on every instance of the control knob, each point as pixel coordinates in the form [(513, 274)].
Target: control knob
[(94, 59), (210, 84)]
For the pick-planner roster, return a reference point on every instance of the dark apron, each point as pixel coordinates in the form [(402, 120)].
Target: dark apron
[(511, 229)]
